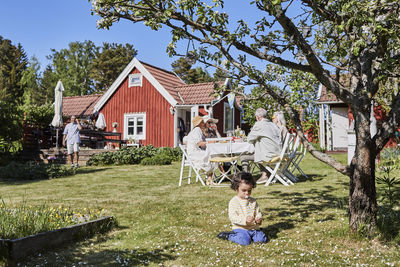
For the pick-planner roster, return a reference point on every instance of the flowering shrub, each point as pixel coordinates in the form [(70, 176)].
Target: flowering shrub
[(20, 221)]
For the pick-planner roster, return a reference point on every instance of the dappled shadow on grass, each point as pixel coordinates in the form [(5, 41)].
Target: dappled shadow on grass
[(271, 231), (87, 170), (295, 208), (28, 181), (91, 253)]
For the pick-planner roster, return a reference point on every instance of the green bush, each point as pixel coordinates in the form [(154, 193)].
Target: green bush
[(32, 171), (133, 155)]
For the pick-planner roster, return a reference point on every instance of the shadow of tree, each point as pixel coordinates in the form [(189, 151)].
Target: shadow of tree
[(85, 170), (74, 255), (295, 208), (16, 181), (271, 231)]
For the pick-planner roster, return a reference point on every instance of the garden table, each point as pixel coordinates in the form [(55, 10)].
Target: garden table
[(227, 152)]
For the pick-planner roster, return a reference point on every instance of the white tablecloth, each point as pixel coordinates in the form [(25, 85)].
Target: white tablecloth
[(228, 148)]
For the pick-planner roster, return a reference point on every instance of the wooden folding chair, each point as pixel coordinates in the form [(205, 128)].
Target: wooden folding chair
[(187, 163), (275, 164)]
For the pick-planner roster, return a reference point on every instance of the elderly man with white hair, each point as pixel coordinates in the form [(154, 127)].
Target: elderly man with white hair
[(266, 137)]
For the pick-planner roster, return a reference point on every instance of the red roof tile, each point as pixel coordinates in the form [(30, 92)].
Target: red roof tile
[(167, 79), (80, 105), (199, 93)]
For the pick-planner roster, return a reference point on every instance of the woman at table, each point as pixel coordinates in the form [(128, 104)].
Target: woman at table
[(279, 119), (211, 130), (196, 148)]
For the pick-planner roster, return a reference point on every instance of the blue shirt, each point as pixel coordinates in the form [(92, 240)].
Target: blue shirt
[(72, 132)]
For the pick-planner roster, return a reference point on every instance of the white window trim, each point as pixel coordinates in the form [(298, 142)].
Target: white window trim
[(132, 76), (226, 104), (134, 115)]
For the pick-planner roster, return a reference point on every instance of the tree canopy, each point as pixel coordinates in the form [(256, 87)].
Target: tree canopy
[(274, 38), (13, 63)]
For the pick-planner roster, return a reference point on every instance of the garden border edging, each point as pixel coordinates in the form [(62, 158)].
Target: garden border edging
[(17, 249)]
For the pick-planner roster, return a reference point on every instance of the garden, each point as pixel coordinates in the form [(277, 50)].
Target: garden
[(162, 224)]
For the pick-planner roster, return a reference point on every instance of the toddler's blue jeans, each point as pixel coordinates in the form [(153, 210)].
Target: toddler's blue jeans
[(244, 237)]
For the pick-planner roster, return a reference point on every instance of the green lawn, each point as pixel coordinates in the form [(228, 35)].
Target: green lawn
[(163, 224)]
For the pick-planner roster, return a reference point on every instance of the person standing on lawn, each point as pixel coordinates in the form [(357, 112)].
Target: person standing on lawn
[(244, 213), (71, 140)]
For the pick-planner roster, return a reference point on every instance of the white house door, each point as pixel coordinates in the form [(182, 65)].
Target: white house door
[(340, 125), (194, 111)]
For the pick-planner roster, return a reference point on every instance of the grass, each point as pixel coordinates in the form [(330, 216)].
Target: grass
[(163, 224)]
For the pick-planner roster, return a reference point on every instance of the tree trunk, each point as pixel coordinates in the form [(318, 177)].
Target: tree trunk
[(362, 197)]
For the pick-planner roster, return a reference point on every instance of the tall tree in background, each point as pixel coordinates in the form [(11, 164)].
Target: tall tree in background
[(183, 68), (109, 62), (48, 82), (327, 39), (73, 66), (31, 81), (13, 62)]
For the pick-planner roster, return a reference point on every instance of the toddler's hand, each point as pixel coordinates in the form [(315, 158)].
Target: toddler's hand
[(249, 220), (258, 220)]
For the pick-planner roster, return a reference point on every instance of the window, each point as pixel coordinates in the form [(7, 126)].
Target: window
[(228, 118), (135, 126), (135, 80)]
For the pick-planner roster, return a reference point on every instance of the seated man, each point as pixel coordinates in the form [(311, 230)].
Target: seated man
[(266, 137)]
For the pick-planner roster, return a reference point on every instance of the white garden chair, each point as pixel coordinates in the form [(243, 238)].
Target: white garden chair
[(187, 163), (300, 153), (275, 165)]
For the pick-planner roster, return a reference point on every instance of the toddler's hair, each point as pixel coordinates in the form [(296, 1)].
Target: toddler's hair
[(244, 177)]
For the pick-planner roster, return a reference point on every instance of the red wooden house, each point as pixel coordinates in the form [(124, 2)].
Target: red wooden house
[(149, 103)]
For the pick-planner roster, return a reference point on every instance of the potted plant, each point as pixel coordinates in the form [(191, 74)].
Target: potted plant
[(115, 125)]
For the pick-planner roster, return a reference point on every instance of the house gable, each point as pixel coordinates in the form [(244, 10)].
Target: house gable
[(146, 74)]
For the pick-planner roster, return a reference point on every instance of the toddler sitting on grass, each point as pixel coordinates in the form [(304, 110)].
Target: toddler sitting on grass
[(244, 212)]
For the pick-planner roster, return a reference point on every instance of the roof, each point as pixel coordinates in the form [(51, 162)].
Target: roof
[(162, 80), (80, 105), (167, 79), (198, 93), (325, 96), (167, 83)]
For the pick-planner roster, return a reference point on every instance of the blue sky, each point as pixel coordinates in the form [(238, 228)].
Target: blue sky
[(42, 25)]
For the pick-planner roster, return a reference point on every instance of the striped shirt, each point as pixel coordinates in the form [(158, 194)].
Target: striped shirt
[(239, 209)]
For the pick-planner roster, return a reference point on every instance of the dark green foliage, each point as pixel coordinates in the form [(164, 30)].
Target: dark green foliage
[(388, 217), (110, 60), (391, 187), (72, 65), (135, 156), (47, 84), (32, 171), (13, 62), (39, 115), (183, 68)]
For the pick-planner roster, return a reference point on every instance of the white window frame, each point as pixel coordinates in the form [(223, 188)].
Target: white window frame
[(135, 116), (226, 105), (133, 79)]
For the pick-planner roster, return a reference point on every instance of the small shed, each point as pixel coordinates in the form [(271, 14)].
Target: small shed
[(333, 121)]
